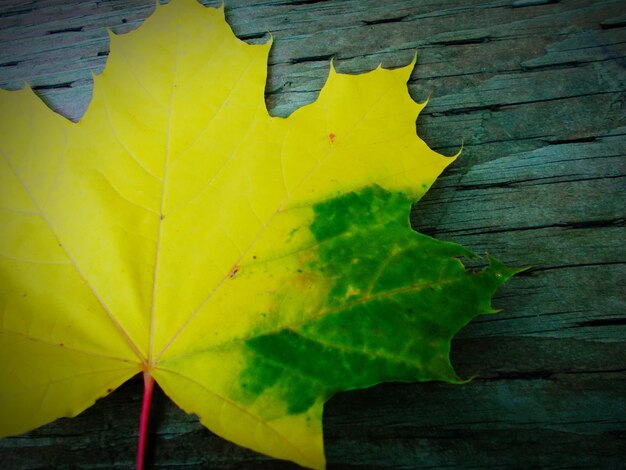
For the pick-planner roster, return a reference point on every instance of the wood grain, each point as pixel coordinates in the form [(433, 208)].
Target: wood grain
[(535, 91)]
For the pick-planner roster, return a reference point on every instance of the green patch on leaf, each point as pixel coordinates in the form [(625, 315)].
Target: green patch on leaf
[(397, 299)]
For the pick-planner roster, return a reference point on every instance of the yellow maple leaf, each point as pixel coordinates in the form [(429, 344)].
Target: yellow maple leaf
[(251, 265)]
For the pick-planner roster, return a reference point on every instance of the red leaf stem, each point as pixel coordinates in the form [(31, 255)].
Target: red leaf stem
[(148, 386)]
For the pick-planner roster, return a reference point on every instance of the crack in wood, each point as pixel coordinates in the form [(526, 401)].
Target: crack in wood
[(466, 110), (519, 375), (313, 58), (532, 3), (6, 14), (530, 272), (621, 321), (303, 2), (613, 23), (544, 374), (463, 41), (65, 30), (573, 140), (502, 107), (53, 86), (564, 225), (518, 183), (396, 19), (508, 184), (251, 36), (556, 65)]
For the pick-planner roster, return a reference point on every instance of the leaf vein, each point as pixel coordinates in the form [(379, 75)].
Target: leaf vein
[(125, 147), (95, 293), (121, 195), (166, 157), (119, 53), (63, 346), (34, 261)]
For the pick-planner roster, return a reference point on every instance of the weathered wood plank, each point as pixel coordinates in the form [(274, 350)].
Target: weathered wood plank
[(535, 90)]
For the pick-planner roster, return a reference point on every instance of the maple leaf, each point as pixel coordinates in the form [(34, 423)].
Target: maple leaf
[(252, 265)]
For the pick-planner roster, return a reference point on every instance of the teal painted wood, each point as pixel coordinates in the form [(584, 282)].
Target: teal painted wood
[(536, 92)]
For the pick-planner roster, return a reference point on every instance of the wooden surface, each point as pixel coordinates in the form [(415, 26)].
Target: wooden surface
[(536, 91)]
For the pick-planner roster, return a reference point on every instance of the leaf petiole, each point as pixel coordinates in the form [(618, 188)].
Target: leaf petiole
[(148, 386)]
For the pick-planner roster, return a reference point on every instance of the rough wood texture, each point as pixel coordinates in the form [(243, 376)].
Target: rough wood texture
[(536, 91)]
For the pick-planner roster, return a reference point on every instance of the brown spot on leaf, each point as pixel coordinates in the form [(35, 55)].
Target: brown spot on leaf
[(233, 272)]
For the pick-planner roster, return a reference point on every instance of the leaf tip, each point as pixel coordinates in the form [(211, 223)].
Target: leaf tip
[(458, 153), (333, 70), (503, 271), (220, 9), (461, 381), (425, 102), (112, 37)]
